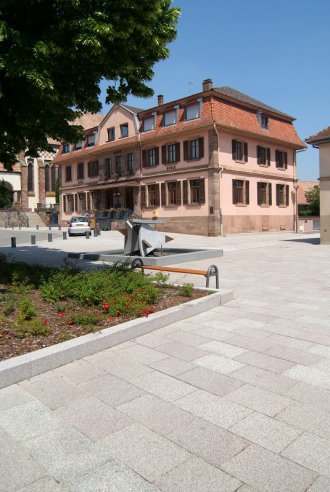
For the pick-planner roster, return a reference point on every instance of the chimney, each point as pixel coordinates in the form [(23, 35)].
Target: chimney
[(207, 84), (160, 99)]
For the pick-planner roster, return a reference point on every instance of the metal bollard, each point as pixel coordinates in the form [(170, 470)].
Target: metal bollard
[(37, 227), (95, 232), (59, 228), (98, 231), (12, 227), (49, 228), (19, 227), (64, 235), (50, 238), (87, 234), (33, 239), (13, 242)]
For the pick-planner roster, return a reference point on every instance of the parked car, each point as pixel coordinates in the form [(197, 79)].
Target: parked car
[(78, 225)]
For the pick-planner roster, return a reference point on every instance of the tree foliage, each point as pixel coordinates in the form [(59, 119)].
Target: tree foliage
[(5, 195), (54, 53), (313, 200)]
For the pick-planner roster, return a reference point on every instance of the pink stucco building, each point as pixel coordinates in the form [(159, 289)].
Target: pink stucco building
[(209, 163)]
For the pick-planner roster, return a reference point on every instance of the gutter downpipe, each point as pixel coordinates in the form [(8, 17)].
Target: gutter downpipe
[(296, 186)]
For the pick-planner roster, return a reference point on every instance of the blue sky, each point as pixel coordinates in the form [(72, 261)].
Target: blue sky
[(276, 51)]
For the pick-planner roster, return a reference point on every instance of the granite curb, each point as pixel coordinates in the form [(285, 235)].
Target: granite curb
[(25, 366)]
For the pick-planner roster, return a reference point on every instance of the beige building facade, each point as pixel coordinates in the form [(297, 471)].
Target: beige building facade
[(322, 141), (210, 163)]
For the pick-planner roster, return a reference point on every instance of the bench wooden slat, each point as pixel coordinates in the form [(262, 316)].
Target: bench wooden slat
[(173, 269)]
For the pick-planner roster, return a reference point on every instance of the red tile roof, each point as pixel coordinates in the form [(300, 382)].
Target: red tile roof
[(323, 135)]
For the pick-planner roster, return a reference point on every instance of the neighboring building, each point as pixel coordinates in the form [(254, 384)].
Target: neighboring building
[(33, 180), (209, 163), (322, 141), (304, 186)]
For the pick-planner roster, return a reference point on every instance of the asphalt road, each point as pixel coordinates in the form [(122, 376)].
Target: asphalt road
[(24, 237)]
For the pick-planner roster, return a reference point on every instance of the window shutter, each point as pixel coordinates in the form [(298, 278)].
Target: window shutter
[(156, 156), (258, 156), (186, 150), (144, 158), (163, 193), (157, 197), (202, 191), (234, 192), (201, 147), (285, 160), (234, 151), (247, 192), (177, 152), (178, 193), (143, 196), (164, 156), (246, 156), (287, 195), (268, 156), (185, 192), (277, 195), (64, 203), (259, 193), (270, 194)]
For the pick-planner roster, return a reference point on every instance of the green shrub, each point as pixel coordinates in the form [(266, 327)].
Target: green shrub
[(187, 290), (160, 278), (33, 327), (84, 319), (26, 310)]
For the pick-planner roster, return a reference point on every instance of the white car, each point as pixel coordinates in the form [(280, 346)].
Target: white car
[(78, 225)]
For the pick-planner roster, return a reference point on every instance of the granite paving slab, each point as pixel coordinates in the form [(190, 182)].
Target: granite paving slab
[(311, 451), (210, 381)]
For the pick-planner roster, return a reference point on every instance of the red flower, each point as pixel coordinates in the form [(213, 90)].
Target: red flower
[(70, 321), (1, 334), (118, 311), (110, 319), (60, 314), (105, 306), (45, 322)]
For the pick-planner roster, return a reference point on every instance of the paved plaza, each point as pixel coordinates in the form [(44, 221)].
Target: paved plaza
[(233, 399)]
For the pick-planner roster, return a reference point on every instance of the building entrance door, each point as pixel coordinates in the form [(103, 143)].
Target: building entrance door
[(129, 198)]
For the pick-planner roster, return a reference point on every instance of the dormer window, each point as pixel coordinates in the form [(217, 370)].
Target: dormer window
[(91, 140), (78, 145), (124, 130), (111, 134), (263, 120), (169, 118), (66, 148), (148, 124), (192, 112)]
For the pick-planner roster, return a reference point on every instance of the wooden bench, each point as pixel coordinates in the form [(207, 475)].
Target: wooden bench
[(212, 270)]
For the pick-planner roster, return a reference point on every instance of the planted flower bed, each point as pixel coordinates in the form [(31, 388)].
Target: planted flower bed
[(41, 306)]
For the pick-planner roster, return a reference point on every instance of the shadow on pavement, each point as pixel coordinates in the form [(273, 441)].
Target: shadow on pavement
[(309, 240)]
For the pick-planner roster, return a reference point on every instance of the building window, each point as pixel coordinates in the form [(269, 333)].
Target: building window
[(241, 194), (264, 191), (124, 130), (263, 156), (173, 195), (53, 178), (193, 149), (148, 124), (169, 118), (66, 148), (30, 176), (171, 153), (69, 203), (95, 200), (239, 151), (78, 145), (282, 195), (153, 195), (192, 112), (47, 177), (81, 202), (264, 122), (193, 191), (80, 170), (107, 168), (68, 174), (130, 163), (118, 165), (93, 169), (111, 134), (150, 157), (91, 140), (281, 159)]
